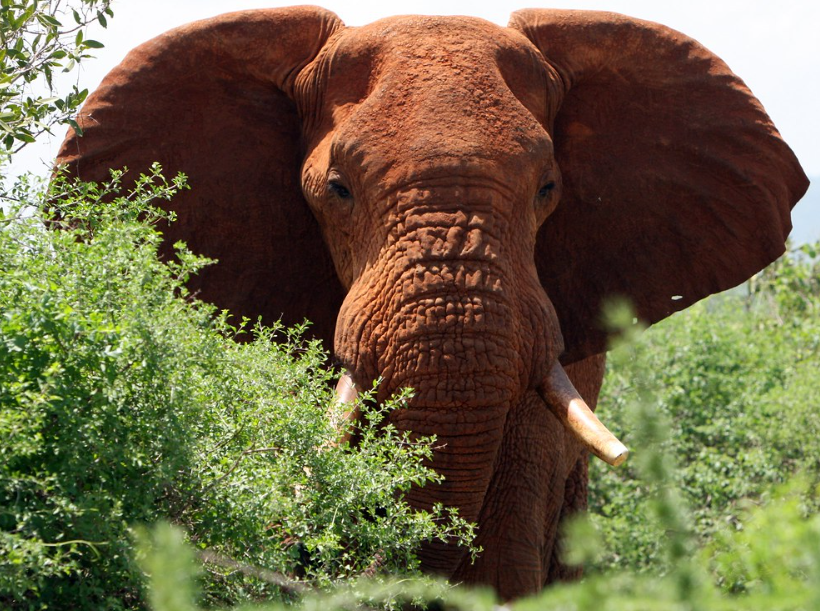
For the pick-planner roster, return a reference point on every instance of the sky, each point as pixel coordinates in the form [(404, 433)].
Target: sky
[(774, 46)]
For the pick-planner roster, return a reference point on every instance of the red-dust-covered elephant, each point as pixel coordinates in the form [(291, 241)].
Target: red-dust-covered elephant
[(451, 202)]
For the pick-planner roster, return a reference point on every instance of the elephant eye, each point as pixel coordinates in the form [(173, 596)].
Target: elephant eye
[(545, 190), (338, 189)]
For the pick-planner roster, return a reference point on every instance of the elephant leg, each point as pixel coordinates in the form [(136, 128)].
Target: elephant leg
[(575, 501), (587, 376)]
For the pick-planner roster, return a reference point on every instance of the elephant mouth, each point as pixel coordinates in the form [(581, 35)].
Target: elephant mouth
[(558, 394)]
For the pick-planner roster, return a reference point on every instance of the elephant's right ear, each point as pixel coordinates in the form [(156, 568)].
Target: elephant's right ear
[(212, 99)]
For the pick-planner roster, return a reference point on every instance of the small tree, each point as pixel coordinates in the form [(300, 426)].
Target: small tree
[(39, 39)]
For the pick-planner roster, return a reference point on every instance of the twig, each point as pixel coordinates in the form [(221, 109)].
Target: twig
[(239, 460), (287, 585)]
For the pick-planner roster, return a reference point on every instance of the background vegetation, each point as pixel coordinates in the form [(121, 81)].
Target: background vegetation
[(127, 406), (736, 379)]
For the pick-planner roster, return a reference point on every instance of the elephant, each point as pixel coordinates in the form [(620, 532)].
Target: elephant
[(451, 203)]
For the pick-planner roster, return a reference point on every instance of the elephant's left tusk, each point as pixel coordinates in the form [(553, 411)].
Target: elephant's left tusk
[(347, 393), (573, 412)]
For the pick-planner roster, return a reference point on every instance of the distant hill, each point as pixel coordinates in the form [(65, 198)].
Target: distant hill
[(806, 215)]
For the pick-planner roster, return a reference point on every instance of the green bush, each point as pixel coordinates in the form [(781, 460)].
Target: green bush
[(737, 379), (768, 559), (124, 400)]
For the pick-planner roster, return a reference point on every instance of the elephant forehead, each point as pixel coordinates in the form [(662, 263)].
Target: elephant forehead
[(432, 87), (412, 30), (429, 59), (463, 41)]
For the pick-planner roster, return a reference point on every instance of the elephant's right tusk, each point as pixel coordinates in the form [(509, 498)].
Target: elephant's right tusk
[(347, 393), (573, 412)]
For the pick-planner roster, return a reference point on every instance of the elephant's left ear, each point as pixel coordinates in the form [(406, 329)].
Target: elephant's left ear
[(676, 183)]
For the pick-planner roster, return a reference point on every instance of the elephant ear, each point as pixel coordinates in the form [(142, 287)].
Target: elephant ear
[(212, 99), (676, 183)]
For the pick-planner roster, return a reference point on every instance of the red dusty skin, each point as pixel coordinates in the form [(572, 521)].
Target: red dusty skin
[(451, 309)]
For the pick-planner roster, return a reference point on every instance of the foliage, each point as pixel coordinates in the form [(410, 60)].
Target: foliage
[(736, 377), (124, 400), (168, 562), (40, 38), (770, 559)]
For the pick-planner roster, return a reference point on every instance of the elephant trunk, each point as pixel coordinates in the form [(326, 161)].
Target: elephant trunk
[(450, 306), (460, 349)]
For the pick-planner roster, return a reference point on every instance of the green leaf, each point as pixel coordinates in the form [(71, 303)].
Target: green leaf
[(75, 126), (93, 44), (24, 136), (24, 17), (48, 20)]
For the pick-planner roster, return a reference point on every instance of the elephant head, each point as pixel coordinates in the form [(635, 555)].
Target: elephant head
[(451, 202)]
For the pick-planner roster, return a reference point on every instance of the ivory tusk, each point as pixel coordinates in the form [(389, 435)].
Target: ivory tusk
[(573, 412), (347, 393)]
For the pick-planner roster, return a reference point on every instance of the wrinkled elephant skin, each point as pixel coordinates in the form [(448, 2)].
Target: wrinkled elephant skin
[(451, 202)]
